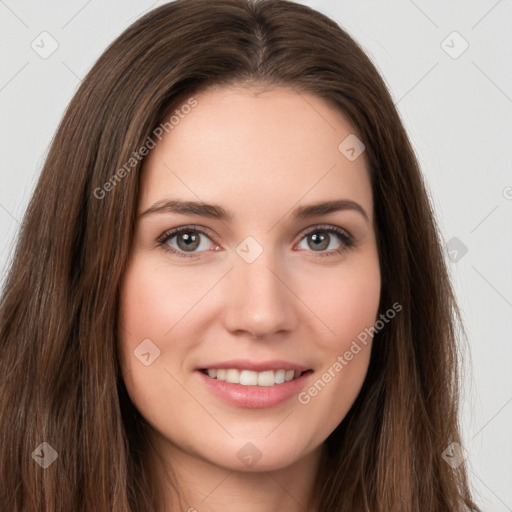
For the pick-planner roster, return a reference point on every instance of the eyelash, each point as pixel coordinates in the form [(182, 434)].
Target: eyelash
[(348, 241)]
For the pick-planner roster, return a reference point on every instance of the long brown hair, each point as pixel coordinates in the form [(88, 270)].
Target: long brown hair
[(60, 380)]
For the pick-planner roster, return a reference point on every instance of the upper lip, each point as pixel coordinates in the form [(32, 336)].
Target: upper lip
[(256, 366)]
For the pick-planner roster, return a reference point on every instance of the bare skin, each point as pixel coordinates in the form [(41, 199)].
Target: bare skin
[(259, 155)]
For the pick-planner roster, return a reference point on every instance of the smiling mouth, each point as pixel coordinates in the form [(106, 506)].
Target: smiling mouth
[(251, 378)]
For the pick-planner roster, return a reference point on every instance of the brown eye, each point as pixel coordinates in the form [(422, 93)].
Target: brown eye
[(185, 241), (188, 241), (326, 241), (318, 242)]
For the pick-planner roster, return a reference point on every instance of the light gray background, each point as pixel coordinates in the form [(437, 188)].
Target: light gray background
[(458, 114)]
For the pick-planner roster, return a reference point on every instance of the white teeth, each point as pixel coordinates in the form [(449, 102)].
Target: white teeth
[(266, 378), (250, 378), (233, 376), (279, 376)]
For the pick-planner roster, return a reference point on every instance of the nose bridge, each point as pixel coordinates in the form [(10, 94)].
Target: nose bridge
[(258, 300)]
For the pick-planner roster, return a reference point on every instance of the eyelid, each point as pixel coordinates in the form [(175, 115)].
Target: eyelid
[(348, 241), (179, 229), (171, 233), (324, 227)]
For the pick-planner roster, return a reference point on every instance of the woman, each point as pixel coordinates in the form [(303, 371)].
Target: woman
[(228, 289)]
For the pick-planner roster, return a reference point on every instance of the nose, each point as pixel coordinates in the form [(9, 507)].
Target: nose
[(259, 299)]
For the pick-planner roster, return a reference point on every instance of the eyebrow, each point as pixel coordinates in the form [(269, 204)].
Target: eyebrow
[(218, 212)]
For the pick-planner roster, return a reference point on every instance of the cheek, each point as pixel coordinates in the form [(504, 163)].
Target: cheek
[(142, 304), (355, 307), (345, 301), (149, 309), (348, 306), (145, 313), (154, 300)]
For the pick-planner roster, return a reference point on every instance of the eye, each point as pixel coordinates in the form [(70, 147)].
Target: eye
[(186, 239), (326, 240)]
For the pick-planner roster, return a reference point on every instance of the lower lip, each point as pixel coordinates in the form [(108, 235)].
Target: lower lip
[(255, 397)]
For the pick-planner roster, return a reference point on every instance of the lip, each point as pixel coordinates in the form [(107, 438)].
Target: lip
[(255, 366), (256, 397)]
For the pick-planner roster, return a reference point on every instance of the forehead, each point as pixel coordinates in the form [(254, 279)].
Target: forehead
[(248, 146)]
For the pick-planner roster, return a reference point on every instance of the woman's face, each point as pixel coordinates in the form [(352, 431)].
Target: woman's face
[(258, 288)]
